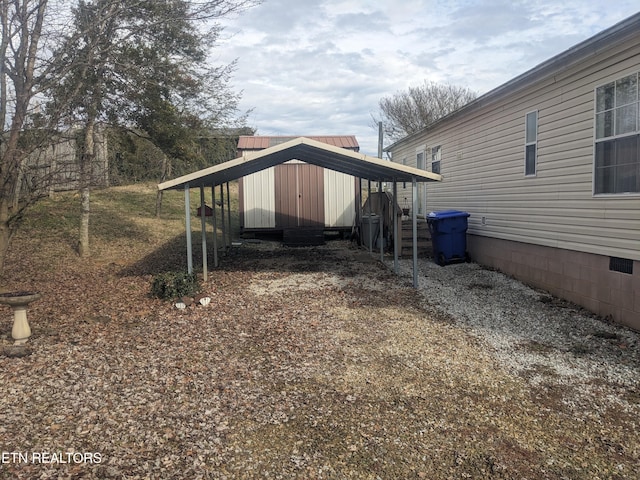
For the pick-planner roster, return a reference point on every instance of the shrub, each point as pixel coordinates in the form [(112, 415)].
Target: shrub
[(172, 285)]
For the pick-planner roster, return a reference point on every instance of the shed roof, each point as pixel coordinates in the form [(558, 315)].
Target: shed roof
[(256, 142), (309, 151)]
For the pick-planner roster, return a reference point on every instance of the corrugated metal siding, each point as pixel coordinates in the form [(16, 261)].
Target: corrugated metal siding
[(258, 197), (339, 199), (310, 195), (299, 195), (248, 142), (483, 165), (286, 187)]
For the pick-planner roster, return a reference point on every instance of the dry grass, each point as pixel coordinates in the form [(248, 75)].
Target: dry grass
[(307, 363)]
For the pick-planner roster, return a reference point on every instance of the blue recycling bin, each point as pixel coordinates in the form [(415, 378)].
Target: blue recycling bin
[(448, 236)]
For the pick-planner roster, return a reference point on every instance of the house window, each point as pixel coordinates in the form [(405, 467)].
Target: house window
[(420, 160), (617, 143), (531, 143), (436, 157)]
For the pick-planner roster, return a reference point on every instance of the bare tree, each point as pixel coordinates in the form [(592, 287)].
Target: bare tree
[(85, 73), (407, 112), (22, 28)]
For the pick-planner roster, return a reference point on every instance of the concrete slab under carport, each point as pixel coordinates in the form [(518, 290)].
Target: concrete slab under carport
[(310, 151)]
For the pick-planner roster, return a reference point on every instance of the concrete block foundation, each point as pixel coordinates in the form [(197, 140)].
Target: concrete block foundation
[(582, 278)]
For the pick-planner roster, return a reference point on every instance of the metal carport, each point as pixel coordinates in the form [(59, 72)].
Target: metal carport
[(310, 151)]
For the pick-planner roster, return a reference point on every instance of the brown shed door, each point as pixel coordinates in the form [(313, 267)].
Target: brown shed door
[(299, 189)]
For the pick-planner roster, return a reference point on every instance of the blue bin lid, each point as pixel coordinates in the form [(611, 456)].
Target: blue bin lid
[(448, 214)]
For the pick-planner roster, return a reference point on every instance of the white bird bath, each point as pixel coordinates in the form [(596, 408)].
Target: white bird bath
[(18, 302)]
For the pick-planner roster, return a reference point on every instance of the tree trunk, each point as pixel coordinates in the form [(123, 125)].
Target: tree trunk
[(5, 231), (166, 171), (83, 244), (10, 178), (158, 203), (86, 162)]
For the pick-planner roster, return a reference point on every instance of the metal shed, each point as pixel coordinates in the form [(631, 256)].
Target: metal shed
[(316, 153), (296, 194)]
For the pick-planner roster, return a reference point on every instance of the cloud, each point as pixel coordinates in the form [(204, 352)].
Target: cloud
[(322, 68), (482, 21)]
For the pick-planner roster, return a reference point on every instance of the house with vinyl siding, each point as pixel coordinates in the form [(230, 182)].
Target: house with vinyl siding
[(548, 166)]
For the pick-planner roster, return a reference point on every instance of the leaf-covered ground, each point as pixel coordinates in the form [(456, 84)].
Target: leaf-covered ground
[(308, 363)]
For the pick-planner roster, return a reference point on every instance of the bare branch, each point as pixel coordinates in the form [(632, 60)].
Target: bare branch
[(408, 112)]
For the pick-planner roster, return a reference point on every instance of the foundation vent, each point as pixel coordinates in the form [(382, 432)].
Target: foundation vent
[(623, 265)]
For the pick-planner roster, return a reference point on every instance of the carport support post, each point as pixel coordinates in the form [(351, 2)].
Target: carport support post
[(224, 230), (370, 215), (215, 226), (203, 227), (395, 227), (359, 210), (229, 214), (414, 221), (187, 213), (381, 222)]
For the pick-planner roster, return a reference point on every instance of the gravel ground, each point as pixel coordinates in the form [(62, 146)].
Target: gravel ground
[(528, 329)]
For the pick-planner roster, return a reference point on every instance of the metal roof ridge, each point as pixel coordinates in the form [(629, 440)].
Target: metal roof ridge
[(256, 141)]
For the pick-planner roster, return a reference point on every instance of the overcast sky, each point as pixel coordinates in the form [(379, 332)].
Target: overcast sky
[(321, 67)]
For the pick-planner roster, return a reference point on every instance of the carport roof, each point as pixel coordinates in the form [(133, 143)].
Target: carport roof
[(309, 151)]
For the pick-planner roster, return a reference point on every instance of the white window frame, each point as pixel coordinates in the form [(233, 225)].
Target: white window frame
[(607, 120), (530, 142), (436, 158), (422, 150)]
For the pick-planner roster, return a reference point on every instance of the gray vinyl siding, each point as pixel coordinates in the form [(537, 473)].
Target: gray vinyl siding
[(483, 163)]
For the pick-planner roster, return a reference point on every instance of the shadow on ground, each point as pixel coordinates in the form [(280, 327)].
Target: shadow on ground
[(171, 256), (254, 255)]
